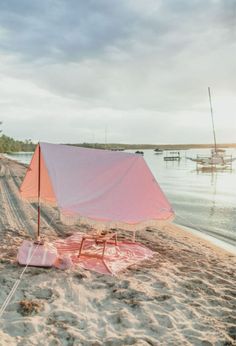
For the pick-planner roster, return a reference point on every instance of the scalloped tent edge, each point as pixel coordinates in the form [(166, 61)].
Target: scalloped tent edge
[(102, 188)]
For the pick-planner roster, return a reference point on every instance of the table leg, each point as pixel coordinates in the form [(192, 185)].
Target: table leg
[(104, 248), (81, 246)]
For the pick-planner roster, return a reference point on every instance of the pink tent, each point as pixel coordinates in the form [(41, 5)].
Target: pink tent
[(102, 187)]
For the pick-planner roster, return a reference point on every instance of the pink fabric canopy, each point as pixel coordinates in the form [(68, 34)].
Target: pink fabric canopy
[(110, 188)]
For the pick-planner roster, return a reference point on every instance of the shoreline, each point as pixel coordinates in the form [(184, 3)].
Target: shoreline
[(213, 240), (135, 146), (210, 239)]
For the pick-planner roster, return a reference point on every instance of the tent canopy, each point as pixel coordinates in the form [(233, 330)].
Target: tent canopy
[(109, 188)]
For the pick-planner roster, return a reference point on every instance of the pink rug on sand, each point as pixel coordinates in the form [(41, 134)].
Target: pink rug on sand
[(117, 257)]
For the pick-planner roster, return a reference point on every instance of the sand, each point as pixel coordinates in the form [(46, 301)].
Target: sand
[(184, 295)]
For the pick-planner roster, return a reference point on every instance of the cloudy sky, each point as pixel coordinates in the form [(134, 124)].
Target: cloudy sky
[(135, 70)]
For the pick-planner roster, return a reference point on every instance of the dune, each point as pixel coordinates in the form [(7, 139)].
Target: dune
[(184, 295)]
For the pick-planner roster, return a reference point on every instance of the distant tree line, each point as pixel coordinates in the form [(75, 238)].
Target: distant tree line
[(8, 144)]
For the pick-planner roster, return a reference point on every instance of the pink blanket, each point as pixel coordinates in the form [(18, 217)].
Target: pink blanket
[(116, 259)]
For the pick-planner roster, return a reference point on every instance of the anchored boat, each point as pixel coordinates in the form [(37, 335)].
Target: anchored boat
[(218, 159)]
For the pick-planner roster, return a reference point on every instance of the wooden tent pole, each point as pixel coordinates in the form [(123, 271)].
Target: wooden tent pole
[(39, 188)]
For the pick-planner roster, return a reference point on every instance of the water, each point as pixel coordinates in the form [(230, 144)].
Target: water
[(204, 201), (21, 156)]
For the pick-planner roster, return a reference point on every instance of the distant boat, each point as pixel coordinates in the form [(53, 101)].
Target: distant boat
[(215, 162), (139, 152), (218, 158), (158, 151)]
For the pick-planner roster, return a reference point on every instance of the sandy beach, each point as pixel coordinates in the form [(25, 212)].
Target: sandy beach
[(184, 295)]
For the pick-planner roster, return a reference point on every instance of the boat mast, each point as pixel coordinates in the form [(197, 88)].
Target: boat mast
[(39, 190), (212, 119)]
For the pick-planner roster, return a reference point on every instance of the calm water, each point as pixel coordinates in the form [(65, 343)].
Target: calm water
[(204, 201)]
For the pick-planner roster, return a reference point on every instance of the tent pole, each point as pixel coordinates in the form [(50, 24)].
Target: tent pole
[(39, 188)]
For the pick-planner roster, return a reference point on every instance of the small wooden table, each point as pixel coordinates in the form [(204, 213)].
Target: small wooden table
[(109, 238), (98, 238)]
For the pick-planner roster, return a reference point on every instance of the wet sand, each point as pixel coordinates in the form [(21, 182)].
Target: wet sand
[(184, 295)]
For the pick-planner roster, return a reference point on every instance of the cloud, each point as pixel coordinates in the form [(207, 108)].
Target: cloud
[(140, 65), (61, 30), (72, 30)]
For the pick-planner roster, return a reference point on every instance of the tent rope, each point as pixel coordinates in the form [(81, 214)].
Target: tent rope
[(17, 282)]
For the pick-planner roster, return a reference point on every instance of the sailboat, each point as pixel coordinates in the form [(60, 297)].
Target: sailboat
[(218, 158)]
